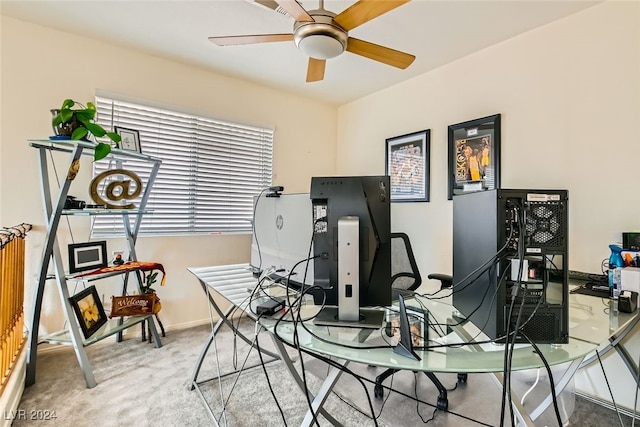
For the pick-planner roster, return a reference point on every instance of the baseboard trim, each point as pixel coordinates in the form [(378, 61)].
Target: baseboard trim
[(607, 404), (49, 348), (12, 393), (188, 325)]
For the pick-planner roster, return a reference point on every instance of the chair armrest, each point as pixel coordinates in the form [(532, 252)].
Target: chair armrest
[(446, 280)]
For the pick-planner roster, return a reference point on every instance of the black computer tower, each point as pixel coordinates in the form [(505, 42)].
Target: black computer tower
[(510, 262)]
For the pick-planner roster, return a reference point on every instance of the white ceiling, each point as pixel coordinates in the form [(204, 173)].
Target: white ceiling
[(436, 32)]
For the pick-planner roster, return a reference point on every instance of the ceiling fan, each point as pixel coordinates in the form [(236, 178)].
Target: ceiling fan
[(321, 34)]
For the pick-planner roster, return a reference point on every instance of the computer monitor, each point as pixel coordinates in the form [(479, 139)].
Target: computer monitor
[(282, 236), (357, 207)]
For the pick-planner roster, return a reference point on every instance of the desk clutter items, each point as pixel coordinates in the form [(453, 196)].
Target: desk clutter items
[(111, 189), (628, 301), (130, 305), (597, 286), (72, 203), (631, 241), (135, 305), (147, 302), (630, 279), (621, 259), (129, 266)]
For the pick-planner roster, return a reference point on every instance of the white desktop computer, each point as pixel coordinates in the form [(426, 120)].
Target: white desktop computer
[(282, 236)]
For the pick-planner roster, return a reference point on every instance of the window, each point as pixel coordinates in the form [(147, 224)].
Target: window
[(210, 171)]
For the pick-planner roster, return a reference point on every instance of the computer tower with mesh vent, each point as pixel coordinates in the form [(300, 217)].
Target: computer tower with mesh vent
[(510, 265)]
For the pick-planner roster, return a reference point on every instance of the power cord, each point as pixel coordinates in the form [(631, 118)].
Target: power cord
[(358, 377), (255, 236), (266, 375), (506, 387), (609, 388), (550, 374), (415, 389), (635, 400)]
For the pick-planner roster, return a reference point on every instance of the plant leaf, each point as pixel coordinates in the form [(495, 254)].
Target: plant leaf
[(95, 129), (56, 120), (151, 278), (65, 116), (79, 133), (68, 103), (101, 151), (91, 106), (85, 116), (114, 136)]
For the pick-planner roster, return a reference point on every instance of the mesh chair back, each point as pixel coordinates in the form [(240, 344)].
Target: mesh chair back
[(404, 270)]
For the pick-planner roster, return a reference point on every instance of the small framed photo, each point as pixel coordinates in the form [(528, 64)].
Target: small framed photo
[(87, 256), (130, 139), (417, 325), (89, 310), (474, 156), (407, 164)]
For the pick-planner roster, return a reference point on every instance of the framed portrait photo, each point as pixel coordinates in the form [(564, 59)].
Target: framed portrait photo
[(130, 139), (474, 156), (407, 164), (417, 325), (89, 310), (87, 256)]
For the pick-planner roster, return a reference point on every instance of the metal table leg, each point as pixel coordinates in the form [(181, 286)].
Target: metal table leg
[(323, 393)]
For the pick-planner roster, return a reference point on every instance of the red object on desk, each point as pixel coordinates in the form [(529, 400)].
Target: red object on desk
[(129, 266)]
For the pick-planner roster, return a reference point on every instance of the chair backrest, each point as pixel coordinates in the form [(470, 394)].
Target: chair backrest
[(404, 270)]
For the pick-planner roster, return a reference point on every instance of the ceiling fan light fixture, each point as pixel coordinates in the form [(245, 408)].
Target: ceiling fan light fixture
[(322, 39), (321, 46)]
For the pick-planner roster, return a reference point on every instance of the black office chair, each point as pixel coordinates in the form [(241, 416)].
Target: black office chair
[(405, 278)]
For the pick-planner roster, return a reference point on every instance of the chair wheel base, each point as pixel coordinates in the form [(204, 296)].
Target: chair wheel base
[(378, 391), (442, 403)]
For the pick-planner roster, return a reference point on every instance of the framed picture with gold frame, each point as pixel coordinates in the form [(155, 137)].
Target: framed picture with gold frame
[(474, 156), (89, 310)]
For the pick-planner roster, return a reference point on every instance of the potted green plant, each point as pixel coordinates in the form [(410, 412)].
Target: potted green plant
[(78, 123)]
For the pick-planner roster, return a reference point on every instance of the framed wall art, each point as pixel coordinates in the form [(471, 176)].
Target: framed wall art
[(130, 139), (407, 164), (474, 156), (89, 310), (87, 256)]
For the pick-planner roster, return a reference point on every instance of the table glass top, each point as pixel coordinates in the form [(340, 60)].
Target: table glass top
[(451, 345)]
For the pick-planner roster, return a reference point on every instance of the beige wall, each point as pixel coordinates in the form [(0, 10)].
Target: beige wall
[(568, 93), (41, 67)]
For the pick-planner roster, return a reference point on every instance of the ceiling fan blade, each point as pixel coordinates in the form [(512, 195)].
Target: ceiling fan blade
[(293, 8), (364, 11), (250, 39), (315, 70), (379, 53)]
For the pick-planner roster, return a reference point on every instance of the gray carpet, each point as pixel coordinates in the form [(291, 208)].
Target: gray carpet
[(144, 386)]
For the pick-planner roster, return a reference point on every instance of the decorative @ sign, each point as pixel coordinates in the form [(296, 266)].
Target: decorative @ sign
[(117, 189)]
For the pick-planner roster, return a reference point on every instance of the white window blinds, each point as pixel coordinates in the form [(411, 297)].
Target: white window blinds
[(210, 171)]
